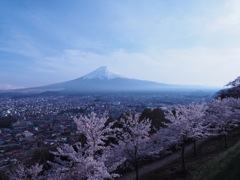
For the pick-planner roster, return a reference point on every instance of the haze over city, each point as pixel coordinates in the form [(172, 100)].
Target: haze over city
[(174, 42)]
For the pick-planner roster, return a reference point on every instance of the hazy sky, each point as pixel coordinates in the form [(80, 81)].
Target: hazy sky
[(168, 41)]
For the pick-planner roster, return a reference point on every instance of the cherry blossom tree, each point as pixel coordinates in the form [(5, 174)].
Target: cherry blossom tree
[(79, 164), (195, 115), (22, 172), (187, 124), (87, 160), (164, 139), (95, 130), (223, 116), (133, 140)]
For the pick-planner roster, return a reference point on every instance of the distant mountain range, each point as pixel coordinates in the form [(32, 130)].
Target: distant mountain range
[(103, 80)]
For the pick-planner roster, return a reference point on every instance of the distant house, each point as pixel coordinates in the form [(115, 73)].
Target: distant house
[(22, 124), (27, 134)]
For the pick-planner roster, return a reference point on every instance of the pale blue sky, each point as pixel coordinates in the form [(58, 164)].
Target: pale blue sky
[(169, 41)]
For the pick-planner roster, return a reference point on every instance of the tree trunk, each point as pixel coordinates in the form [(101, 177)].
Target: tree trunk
[(195, 147), (183, 158), (136, 169), (136, 163), (44, 159), (225, 140)]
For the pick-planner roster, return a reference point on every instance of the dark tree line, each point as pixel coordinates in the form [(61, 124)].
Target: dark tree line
[(7, 121)]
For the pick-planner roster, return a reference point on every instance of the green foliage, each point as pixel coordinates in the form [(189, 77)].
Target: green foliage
[(231, 92), (225, 166), (234, 91), (42, 155), (82, 139), (3, 175), (6, 122), (156, 116)]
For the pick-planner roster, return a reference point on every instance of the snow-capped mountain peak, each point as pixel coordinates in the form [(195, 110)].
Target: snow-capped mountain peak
[(102, 73)]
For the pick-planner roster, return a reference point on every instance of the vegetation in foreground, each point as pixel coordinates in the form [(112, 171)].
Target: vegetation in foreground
[(224, 166), (208, 151)]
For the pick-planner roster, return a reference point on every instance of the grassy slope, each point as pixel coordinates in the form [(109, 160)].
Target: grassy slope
[(207, 151), (224, 166)]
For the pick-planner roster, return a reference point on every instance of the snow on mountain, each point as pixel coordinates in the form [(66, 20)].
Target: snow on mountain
[(102, 73)]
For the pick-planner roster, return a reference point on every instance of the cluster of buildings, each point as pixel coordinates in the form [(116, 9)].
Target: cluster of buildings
[(48, 121)]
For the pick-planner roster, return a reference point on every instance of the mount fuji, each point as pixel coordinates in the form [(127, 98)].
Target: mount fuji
[(102, 73), (103, 80)]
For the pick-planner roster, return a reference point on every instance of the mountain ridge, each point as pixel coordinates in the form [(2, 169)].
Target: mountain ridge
[(104, 80)]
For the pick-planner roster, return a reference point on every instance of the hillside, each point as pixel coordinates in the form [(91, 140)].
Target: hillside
[(224, 166), (230, 92), (210, 154)]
